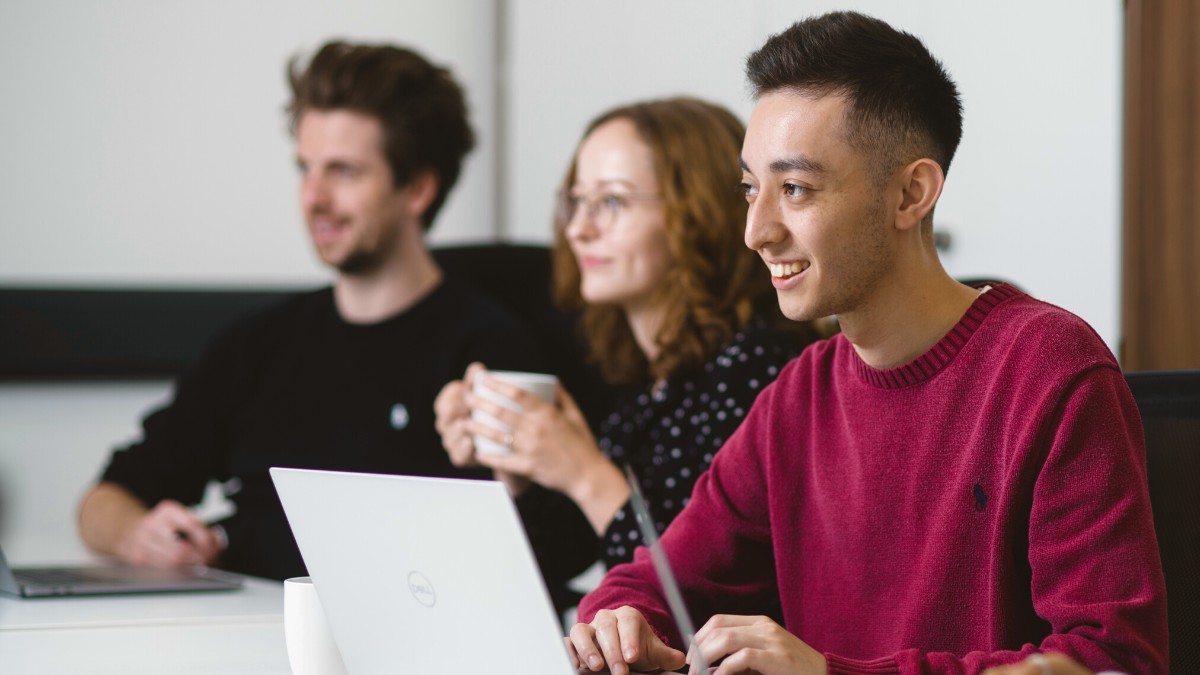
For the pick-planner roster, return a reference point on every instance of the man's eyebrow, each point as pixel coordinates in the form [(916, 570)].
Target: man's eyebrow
[(799, 163)]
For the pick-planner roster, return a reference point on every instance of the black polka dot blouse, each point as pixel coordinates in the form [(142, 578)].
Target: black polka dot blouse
[(669, 433)]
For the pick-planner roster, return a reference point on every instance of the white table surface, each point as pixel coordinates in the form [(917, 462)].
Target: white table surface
[(234, 632)]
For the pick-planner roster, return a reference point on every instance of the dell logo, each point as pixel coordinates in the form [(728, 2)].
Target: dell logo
[(421, 589)]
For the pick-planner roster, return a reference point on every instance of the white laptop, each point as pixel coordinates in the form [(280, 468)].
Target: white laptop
[(423, 575)]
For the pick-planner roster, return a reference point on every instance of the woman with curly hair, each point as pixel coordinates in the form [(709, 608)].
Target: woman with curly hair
[(648, 244)]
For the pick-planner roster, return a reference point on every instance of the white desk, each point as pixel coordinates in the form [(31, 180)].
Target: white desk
[(235, 632)]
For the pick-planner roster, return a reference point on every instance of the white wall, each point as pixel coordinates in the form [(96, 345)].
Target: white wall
[(145, 142), (1033, 195)]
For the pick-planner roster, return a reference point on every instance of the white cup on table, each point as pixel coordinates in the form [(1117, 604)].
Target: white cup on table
[(310, 646), (541, 385)]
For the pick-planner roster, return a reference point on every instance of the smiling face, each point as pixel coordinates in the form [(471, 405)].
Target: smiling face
[(816, 216), (623, 256), (353, 211)]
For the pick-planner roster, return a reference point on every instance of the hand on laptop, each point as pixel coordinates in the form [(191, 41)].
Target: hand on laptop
[(618, 639), (170, 534), (755, 644)]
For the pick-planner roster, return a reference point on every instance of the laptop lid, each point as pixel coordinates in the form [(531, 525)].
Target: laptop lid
[(662, 567), (40, 582), (423, 575)]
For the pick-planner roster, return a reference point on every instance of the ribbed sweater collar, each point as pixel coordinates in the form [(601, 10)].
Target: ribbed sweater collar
[(943, 352)]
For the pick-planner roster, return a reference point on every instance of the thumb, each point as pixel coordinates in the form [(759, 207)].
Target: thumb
[(661, 655), (474, 370), (569, 407)]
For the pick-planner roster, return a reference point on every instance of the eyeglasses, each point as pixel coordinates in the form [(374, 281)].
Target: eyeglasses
[(604, 209)]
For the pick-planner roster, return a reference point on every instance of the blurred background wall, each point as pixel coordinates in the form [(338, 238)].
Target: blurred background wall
[(144, 144)]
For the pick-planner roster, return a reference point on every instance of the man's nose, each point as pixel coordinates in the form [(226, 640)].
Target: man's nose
[(763, 226), (314, 194)]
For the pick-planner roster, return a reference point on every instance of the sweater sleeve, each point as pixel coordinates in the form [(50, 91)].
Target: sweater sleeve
[(719, 546), (1096, 574), (185, 443)]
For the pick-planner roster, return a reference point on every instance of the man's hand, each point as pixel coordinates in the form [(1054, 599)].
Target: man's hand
[(620, 639), (754, 644), (168, 535)]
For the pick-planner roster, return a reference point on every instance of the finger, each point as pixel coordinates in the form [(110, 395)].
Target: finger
[(481, 428), (724, 641), (567, 404), (175, 547), (571, 653), (719, 621), (459, 444), (474, 371), (498, 412), (184, 536), (166, 551), (748, 660), (212, 545), (632, 628), (583, 641), (609, 641), (184, 524), (513, 463), (660, 655), (450, 405)]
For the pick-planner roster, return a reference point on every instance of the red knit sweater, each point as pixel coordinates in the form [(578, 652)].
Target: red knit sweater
[(983, 502)]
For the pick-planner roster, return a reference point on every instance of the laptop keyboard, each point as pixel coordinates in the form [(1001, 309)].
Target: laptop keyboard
[(61, 577)]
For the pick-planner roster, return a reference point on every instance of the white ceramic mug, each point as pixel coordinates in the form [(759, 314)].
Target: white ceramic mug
[(310, 646), (543, 386)]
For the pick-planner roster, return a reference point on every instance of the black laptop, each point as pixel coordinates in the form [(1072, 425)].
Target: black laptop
[(44, 582)]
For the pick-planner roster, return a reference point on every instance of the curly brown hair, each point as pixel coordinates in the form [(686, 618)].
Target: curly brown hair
[(716, 284)]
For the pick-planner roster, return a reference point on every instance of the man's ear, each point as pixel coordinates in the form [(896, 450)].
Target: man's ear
[(920, 187), (421, 192)]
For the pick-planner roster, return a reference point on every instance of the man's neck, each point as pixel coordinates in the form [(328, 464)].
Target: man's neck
[(906, 317), (389, 290)]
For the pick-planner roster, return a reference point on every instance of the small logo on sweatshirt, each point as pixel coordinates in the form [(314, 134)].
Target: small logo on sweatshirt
[(399, 417), (980, 497)]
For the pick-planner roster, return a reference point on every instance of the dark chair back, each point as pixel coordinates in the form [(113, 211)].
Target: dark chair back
[(1169, 403)]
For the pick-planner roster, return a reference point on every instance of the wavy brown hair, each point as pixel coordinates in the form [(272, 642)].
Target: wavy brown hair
[(716, 284)]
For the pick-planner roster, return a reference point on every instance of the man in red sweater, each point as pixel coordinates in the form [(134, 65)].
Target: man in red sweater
[(956, 481)]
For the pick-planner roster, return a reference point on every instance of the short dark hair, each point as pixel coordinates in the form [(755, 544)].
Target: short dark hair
[(902, 103), (421, 108)]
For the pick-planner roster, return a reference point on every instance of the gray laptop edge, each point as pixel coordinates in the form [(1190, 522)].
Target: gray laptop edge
[(44, 582), (666, 578)]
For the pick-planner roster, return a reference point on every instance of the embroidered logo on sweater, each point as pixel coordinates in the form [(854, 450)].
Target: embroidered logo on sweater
[(399, 416), (980, 497)]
